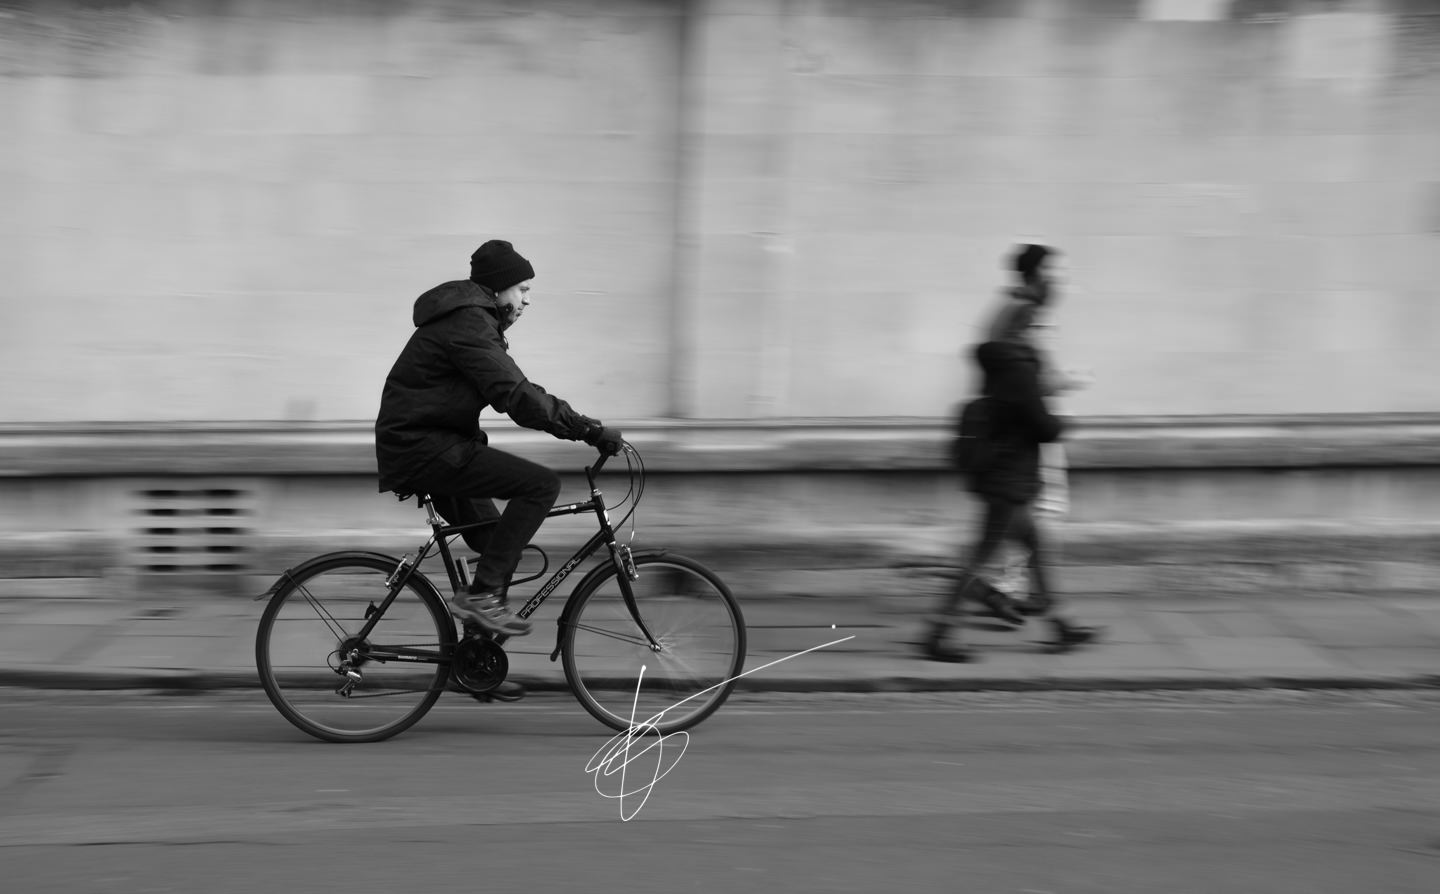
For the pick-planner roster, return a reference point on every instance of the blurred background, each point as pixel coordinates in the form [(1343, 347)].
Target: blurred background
[(764, 231)]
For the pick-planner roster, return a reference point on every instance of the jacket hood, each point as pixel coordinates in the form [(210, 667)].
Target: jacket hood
[(450, 297)]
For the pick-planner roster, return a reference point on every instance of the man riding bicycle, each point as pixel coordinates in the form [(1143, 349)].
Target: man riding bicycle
[(428, 437)]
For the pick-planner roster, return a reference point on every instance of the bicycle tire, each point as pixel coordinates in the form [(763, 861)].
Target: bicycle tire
[(315, 609), (620, 680)]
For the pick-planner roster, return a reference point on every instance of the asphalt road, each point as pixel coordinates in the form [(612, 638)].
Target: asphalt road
[(1001, 792)]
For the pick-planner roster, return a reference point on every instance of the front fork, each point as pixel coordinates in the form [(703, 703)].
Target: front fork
[(626, 574), (625, 571)]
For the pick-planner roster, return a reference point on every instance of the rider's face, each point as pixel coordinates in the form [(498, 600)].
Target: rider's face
[(513, 302)]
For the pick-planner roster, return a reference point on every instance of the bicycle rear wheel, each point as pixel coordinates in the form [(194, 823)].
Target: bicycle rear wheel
[(313, 620), (616, 675)]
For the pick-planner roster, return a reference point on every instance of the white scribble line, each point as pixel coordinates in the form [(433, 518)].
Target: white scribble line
[(630, 737), (606, 766), (753, 670), (603, 761)]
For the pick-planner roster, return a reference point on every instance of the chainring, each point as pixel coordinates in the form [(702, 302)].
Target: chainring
[(479, 664)]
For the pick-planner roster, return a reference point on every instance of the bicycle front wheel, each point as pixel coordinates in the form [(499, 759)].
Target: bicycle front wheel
[(621, 680), (327, 680)]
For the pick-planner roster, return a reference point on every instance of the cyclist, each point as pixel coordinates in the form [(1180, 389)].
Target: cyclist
[(428, 437)]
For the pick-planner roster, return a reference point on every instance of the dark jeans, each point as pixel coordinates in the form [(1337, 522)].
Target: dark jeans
[(1003, 520), (465, 480)]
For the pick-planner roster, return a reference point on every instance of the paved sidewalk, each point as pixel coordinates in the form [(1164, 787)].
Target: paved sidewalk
[(193, 642)]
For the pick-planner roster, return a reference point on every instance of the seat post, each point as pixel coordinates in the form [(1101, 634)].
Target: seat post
[(428, 504)]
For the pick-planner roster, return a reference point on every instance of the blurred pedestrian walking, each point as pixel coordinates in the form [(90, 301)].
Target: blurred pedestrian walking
[(1004, 467), (1035, 269)]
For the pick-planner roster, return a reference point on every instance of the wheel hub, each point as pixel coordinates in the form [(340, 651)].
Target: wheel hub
[(353, 651)]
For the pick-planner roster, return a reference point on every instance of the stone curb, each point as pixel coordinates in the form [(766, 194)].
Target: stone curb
[(202, 681)]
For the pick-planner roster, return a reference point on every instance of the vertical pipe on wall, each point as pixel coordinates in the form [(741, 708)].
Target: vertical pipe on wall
[(711, 202), (681, 393), (771, 397)]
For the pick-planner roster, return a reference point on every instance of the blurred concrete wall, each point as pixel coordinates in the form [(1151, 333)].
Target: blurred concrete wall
[(222, 210)]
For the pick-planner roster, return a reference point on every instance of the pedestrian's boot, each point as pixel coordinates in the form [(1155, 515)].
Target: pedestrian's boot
[(1033, 607), (997, 603), (935, 648), (1000, 606), (1066, 636)]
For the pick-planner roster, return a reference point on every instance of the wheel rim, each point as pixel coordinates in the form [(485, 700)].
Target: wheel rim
[(313, 622), (618, 675)]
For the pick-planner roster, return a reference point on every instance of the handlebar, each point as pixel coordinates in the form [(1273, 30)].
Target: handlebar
[(592, 471), (599, 464), (637, 480)]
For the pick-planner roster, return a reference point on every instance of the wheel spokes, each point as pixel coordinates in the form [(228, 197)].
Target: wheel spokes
[(634, 639), (323, 613), (331, 683)]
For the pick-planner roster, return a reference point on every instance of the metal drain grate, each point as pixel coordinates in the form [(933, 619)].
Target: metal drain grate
[(193, 530)]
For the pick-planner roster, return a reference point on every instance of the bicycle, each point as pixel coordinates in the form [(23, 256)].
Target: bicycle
[(356, 646)]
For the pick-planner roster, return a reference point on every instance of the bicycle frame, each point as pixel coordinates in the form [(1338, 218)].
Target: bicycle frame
[(443, 533)]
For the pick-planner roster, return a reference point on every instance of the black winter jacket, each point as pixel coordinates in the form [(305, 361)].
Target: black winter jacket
[(455, 364), (1022, 421)]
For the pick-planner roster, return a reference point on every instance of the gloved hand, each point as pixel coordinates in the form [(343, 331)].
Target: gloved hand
[(605, 439)]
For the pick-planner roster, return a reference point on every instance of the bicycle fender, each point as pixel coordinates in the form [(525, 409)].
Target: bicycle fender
[(288, 575), (590, 576)]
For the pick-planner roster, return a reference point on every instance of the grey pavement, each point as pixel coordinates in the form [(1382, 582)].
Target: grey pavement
[(194, 641)]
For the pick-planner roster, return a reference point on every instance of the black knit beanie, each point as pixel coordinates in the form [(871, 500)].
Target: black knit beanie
[(497, 266)]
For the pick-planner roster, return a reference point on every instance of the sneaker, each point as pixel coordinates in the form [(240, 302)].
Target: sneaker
[(487, 610)]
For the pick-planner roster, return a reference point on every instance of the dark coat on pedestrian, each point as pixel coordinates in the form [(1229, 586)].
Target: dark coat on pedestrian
[(455, 364), (1021, 422)]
